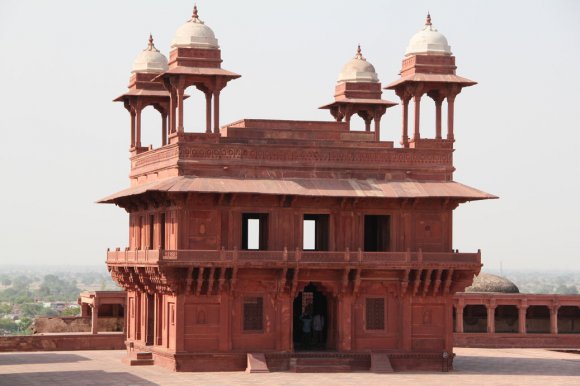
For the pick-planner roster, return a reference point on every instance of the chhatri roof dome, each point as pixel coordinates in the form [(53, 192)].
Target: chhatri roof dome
[(485, 282), (194, 34), (428, 41), (358, 70), (150, 60)]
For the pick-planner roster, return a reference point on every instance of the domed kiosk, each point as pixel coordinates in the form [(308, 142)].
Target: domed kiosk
[(358, 91), (428, 68), (145, 91)]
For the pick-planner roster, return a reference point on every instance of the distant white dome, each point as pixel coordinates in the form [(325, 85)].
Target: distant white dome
[(428, 41), (194, 34), (358, 70), (150, 60)]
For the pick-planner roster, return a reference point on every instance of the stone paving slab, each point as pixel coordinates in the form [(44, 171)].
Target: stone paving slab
[(472, 367)]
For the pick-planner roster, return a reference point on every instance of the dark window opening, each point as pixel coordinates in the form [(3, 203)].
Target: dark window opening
[(538, 320), (475, 318), (569, 320), (151, 230), (377, 233), (506, 319), (375, 314), (150, 319), (255, 231), (162, 236), (253, 314), (315, 232)]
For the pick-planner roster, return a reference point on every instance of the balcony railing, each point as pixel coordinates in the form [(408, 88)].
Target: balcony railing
[(307, 257)]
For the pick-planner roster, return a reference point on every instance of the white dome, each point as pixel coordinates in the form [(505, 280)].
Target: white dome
[(150, 60), (194, 34), (428, 41), (358, 70)]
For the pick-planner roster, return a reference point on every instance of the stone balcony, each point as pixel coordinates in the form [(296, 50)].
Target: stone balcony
[(293, 258)]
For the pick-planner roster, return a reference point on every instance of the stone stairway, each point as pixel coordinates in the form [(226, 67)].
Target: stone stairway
[(139, 359)]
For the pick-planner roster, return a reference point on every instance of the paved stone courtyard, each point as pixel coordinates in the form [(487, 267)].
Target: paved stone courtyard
[(473, 367)]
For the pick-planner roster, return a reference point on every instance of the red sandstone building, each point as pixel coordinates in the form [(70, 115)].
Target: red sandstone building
[(239, 233)]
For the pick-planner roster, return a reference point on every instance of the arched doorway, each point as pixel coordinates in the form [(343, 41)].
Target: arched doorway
[(312, 320)]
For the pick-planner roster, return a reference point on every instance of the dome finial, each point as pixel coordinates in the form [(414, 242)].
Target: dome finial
[(359, 54), (150, 46), (195, 15), (428, 20)]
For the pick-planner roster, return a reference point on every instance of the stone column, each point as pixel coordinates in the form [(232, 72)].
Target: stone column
[(522, 318), (163, 129), (405, 136), (132, 112), (172, 110), (490, 319), (417, 120), (216, 112), (554, 319), (208, 112), (459, 318), (438, 103), (345, 322), (450, 112), (180, 96), (138, 126), (95, 318)]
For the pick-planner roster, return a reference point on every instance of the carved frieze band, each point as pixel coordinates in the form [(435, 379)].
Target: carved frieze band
[(391, 157)]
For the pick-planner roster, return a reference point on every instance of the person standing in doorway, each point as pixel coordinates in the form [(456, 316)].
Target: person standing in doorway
[(317, 326), (306, 320)]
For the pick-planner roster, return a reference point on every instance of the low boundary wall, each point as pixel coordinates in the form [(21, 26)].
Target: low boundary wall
[(63, 342), (506, 340)]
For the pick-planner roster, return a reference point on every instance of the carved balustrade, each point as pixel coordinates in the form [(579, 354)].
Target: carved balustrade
[(248, 257)]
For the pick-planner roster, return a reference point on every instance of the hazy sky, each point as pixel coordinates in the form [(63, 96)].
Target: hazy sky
[(64, 143)]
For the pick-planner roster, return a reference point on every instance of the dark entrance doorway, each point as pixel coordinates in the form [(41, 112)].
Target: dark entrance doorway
[(310, 332)]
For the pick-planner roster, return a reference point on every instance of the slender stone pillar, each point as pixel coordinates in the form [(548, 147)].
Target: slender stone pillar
[(490, 319), (405, 136), (554, 319), (180, 95), (459, 318), (417, 121), (216, 112), (138, 127), (132, 112), (377, 128), (172, 111), (522, 318), (208, 112), (163, 129), (95, 319), (450, 113), (438, 103)]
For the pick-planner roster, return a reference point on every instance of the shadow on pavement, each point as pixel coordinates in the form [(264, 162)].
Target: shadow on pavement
[(28, 359), (76, 378), (487, 365)]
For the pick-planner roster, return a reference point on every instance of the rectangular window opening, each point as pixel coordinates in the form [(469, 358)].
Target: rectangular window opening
[(253, 314), (315, 232), (377, 233), (162, 235), (375, 314), (151, 230), (255, 231)]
